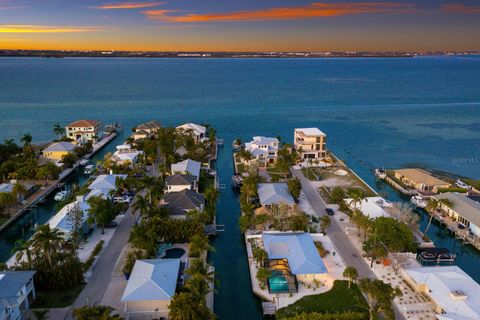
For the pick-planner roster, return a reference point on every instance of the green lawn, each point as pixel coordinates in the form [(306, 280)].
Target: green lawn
[(338, 300), (56, 299)]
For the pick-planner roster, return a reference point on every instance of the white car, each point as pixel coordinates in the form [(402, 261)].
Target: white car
[(122, 199)]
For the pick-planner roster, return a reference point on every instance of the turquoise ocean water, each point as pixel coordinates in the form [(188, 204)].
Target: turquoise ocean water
[(376, 112)]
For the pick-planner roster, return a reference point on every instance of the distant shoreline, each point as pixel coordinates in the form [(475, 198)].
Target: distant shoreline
[(206, 55)]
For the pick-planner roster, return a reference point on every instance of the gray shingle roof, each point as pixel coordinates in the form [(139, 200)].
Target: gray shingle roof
[(180, 180), (185, 200), (11, 282)]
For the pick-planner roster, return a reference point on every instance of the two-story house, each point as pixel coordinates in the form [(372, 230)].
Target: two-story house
[(311, 142), (263, 149), (83, 131), (16, 288)]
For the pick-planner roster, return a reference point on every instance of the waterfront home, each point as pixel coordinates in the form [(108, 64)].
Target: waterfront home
[(16, 291), (83, 131), (8, 187), (373, 207), (145, 130), (198, 132), (421, 180), (57, 150), (275, 194), (455, 294), (311, 143), (104, 185), (63, 221), (188, 166), (182, 202), (464, 210), (179, 182), (150, 288), (292, 257), (263, 149), (125, 154)]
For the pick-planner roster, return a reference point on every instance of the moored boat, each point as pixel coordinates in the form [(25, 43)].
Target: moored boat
[(61, 195), (418, 201), (381, 173)]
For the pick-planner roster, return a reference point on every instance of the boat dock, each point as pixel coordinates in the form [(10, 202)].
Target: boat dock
[(49, 187), (396, 185)]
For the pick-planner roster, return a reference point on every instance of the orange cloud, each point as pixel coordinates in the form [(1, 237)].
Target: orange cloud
[(23, 28), (460, 8), (313, 10), (129, 5)]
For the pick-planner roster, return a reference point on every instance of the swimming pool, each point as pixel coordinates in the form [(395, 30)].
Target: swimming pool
[(173, 253)]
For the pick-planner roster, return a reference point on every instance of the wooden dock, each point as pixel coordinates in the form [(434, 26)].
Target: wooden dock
[(396, 185), (39, 196)]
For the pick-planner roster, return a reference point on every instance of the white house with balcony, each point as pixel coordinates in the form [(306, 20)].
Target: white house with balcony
[(16, 289), (198, 132), (263, 149), (125, 154)]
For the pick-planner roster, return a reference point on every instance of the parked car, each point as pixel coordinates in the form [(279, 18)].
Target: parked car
[(112, 224), (122, 199), (329, 211)]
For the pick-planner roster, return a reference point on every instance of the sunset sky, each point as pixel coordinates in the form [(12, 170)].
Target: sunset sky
[(240, 25)]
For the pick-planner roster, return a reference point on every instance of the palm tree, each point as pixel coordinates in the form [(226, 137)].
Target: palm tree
[(198, 268), (141, 204), (23, 249), (351, 274), (432, 206), (19, 191), (211, 195), (357, 197), (26, 139), (199, 244), (7, 199), (58, 130), (47, 241)]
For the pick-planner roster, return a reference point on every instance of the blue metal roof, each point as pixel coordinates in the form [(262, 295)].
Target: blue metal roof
[(298, 248)]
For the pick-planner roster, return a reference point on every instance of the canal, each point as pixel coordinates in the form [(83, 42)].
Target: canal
[(24, 227)]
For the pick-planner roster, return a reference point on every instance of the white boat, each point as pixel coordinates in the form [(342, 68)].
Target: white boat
[(89, 169), (381, 173), (419, 201), (459, 183), (83, 162), (61, 195)]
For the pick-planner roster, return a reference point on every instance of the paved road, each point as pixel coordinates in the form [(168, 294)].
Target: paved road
[(101, 274), (349, 253)]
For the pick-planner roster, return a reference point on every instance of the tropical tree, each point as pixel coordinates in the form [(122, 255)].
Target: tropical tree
[(7, 199), (23, 249), (432, 206), (101, 211), (262, 276), (19, 191), (198, 245), (188, 306), (47, 242), (95, 313), (58, 130), (199, 268), (403, 212), (260, 255), (141, 205), (351, 274), (211, 196), (325, 222), (357, 197), (26, 139), (337, 194), (380, 296), (75, 219), (295, 187)]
